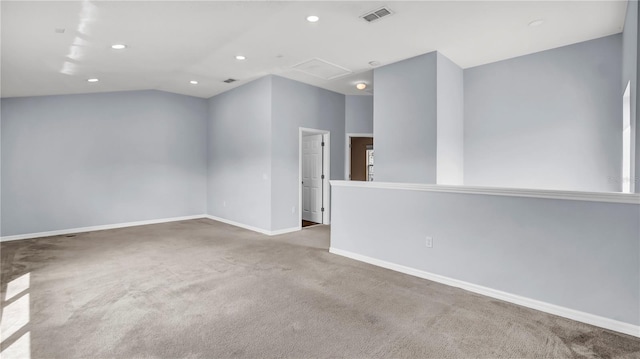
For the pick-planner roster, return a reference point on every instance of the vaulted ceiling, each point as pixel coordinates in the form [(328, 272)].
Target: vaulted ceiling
[(54, 47)]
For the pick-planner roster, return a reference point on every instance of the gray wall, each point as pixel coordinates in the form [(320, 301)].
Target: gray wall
[(450, 114), (131, 156), (404, 126), (637, 99), (513, 244), (239, 149), (630, 73), (549, 120), (358, 114), (86, 160), (298, 105)]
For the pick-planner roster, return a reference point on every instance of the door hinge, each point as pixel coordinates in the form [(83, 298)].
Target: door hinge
[(322, 177), (322, 209), (322, 144)]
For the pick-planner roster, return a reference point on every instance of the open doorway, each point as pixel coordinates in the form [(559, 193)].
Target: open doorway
[(359, 157), (314, 177)]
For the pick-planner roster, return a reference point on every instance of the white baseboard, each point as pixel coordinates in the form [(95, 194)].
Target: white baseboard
[(579, 316), (252, 228), (286, 230), (143, 223), (97, 228)]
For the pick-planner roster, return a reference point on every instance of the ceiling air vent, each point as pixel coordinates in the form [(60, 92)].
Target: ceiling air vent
[(377, 14), (230, 80)]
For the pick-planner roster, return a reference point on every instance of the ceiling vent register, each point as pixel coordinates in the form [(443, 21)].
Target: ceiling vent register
[(377, 14), (230, 80)]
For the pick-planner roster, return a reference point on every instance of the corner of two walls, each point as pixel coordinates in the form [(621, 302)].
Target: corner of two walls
[(418, 121), (239, 154), (253, 149), (404, 120)]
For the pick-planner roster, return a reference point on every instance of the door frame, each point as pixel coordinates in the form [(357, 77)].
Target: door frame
[(347, 152), (326, 162)]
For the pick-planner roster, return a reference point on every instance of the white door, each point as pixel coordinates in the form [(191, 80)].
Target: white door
[(312, 178)]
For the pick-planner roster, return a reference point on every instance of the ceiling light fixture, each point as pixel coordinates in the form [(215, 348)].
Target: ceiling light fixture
[(193, 82), (312, 18), (374, 63), (361, 86), (119, 46), (536, 22), (240, 57), (92, 80)]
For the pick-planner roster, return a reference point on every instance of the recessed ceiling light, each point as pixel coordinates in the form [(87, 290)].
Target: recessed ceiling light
[(240, 57), (119, 46), (193, 82), (536, 22), (374, 63), (361, 86), (59, 30), (93, 80), (312, 18)]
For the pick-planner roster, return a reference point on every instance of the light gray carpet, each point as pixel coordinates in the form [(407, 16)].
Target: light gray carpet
[(203, 289)]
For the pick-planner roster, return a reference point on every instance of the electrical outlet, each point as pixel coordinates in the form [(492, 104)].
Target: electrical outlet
[(429, 242)]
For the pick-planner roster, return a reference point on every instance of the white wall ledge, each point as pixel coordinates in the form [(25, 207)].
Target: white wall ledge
[(611, 197)]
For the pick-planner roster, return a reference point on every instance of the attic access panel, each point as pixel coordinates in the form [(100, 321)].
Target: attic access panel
[(322, 69)]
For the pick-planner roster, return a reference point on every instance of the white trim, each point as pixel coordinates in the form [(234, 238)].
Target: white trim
[(347, 152), (326, 196), (285, 230), (97, 228), (252, 228), (592, 319), (612, 197), (626, 175), (238, 224)]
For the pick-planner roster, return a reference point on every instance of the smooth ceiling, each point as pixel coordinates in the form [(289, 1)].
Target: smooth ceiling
[(171, 43)]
